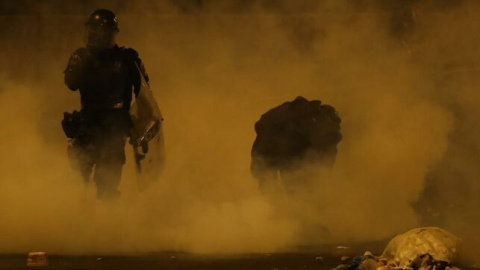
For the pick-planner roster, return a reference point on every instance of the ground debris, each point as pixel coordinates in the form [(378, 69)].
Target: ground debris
[(423, 244), (364, 262), (428, 248)]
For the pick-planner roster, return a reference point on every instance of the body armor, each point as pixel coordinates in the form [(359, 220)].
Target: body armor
[(107, 84)]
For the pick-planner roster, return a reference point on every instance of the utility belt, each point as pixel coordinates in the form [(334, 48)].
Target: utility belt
[(75, 124), (72, 124)]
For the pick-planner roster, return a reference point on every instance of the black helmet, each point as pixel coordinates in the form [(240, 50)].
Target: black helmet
[(103, 18)]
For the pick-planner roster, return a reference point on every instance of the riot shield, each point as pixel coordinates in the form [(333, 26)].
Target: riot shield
[(147, 138)]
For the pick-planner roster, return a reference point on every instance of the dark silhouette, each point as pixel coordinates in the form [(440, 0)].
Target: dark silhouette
[(105, 75), (292, 137)]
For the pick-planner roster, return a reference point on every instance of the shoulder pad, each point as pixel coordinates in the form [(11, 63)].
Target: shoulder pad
[(82, 51), (130, 53)]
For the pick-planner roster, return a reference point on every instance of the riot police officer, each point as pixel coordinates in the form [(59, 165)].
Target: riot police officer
[(293, 138), (107, 76)]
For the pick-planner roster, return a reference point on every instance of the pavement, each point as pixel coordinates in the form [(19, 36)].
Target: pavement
[(302, 258), (179, 261)]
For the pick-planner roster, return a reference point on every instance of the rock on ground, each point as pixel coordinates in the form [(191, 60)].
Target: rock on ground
[(439, 243)]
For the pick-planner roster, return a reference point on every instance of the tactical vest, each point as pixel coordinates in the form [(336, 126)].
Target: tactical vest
[(108, 82)]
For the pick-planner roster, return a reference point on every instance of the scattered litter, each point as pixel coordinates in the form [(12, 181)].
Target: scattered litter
[(343, 247), (319, 259), (368, 253), (37, 259), (99, 259), (365, 262), (419, 249), (344, 258)]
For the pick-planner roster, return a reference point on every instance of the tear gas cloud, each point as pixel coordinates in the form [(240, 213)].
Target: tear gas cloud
[(215, 68)]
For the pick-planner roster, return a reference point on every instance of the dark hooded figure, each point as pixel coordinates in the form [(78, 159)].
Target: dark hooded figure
[(106, 76), (293, 140)]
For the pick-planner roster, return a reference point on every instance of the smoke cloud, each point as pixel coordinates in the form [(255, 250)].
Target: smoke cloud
[(215, 68)]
